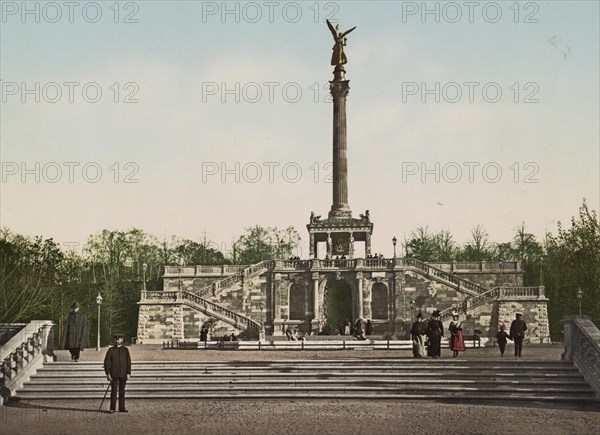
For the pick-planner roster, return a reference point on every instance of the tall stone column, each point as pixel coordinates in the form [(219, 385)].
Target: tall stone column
[(359, 279), (315, 279), (339, 209)]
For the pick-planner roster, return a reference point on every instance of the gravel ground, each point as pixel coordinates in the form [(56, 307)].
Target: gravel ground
[(300, 416)]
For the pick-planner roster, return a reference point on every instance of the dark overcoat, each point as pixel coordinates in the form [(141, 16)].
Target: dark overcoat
[(117, 362), (75, 335), (518, 328)]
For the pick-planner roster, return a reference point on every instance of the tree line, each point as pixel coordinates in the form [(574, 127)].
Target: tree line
[(563, 263), (39, 279)]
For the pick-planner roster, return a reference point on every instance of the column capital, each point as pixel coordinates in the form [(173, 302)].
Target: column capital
[(339, 89)]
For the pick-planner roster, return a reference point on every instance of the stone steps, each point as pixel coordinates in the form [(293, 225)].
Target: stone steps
[(394, 378)]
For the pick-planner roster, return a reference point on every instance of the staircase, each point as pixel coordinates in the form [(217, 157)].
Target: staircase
[(451, 280), (222, 284), (393, 378), (203, 305)]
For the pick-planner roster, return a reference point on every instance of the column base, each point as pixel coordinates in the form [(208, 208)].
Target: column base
[(340, 212)]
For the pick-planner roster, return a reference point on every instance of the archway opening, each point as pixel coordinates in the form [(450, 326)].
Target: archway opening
[(297, 302), (338, 303), (379, 301)]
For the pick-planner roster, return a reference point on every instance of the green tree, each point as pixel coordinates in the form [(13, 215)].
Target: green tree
[(265, 243), (29, 275), (445, 248), (573, 262), (479, 248), (421, 244)]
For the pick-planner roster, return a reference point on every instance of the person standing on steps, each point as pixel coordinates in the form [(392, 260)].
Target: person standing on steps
[(517, 333), (75, 336), (117, 366), (435, 332), (501, 338), (418, 333), (457, 339)]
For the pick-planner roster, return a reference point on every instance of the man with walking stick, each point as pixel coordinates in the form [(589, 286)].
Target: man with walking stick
[(117, 366)]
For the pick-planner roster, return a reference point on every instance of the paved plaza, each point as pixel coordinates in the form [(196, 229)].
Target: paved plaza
[(300, 416)]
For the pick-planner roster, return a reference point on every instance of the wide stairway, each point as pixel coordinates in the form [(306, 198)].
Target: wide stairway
[(393, 378)]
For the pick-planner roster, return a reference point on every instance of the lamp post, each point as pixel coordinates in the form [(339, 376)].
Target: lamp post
[(579, 298), (394, 241), (261, 336), (98, 302), (144, 268), (542, 270)]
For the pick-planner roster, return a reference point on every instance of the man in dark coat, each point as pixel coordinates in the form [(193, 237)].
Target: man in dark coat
[(517, 333), (435, 332), (75, 336), (117, 366)]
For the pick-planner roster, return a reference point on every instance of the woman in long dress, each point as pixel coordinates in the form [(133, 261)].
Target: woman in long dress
[(435, 332), (457, 339)]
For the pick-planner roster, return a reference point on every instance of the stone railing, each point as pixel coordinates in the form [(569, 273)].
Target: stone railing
[(582, 347), (8, 330), (378, 263), (241, 274), (522, 292), (458, 283), (291, 264), (493, 294), (479, 266), (23, 354), (218, 311)]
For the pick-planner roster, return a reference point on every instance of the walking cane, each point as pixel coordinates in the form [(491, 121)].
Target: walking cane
[(105, 393)]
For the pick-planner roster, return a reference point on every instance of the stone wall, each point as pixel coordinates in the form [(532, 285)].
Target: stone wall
[(158, 322), (265, 299)]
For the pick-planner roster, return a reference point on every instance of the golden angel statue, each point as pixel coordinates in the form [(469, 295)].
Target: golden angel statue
[(338, 57)]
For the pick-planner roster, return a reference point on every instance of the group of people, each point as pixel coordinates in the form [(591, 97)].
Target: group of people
[(430, 332), (517, 334), (427, 336), (293, 334)]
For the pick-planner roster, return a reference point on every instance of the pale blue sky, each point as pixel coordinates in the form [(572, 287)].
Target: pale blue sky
[(172, 55)]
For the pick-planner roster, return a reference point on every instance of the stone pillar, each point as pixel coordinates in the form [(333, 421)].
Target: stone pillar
[(359, 279), (277, 320), (315, 322), (367, 244), (339, 209), (312, 247)]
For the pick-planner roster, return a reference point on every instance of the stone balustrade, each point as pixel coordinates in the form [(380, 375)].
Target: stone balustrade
[(23, 354), (169, 297), (511, 293), (582, 347), (479, 266), (357, 263)]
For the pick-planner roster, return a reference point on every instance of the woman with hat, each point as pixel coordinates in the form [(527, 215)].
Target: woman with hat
[(418, 333), (457, 340), (435, 332), (75, 335)]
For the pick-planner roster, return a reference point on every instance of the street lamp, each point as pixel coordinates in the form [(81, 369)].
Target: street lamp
[(579, 298), (98, 302), (394, 241), (542, 270), (262, 325)]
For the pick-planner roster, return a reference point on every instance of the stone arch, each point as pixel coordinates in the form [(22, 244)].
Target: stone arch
[(379, 301)]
